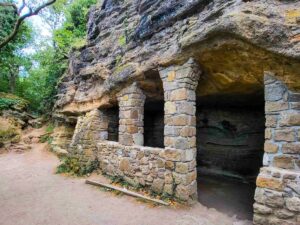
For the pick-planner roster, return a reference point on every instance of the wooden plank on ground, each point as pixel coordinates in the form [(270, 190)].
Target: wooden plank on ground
[(125, 191)]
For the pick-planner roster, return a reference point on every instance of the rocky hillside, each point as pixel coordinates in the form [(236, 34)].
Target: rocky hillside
[(233, 40), (13, 118)]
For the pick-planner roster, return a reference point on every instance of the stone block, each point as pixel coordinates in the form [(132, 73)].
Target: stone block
[(169, 189), (284, 162), (170, 165), (294, 97), (290, 119), (293, 204), (284, 214), (182, 168), (269, 197), (295, 105), (172, 154), (270, 183), (188, 132), (181, 143), (170, 108), (276, 106), (182, 192), (179, 95), (268, 133), (180, 120), (262, 209), (168, 178), (284, 135), (271, 120), (270, 147), (171, 76), (260, 219), (125, 165), (291, 148), (158, 185), (274, 91)]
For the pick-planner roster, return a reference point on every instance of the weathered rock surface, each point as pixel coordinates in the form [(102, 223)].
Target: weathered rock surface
[(233, 40)]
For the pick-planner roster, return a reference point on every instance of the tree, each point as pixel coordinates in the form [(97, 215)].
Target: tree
[(20, 17), (11, 57)]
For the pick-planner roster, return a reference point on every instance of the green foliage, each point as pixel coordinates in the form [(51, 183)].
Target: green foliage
[(6, 103), (73, 31), (122, 40), (9, 101), (53, 61), (50, 128), (73, 166)]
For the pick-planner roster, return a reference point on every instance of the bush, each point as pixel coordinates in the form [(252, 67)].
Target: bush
[(73, 166)]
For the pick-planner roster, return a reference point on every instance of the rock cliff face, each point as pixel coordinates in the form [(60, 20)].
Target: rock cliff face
[(165, 86), (233, 40)]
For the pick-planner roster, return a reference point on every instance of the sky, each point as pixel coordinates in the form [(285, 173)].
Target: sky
[(40, 27)]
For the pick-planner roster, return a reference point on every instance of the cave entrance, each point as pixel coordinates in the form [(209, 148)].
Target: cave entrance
[(152, 87), (230, 140)]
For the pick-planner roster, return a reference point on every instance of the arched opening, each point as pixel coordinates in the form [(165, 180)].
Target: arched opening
[(154, 109), (230, 134), (230, 139)]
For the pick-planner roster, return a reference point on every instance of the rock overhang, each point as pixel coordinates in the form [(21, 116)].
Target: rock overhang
[(233, 41)]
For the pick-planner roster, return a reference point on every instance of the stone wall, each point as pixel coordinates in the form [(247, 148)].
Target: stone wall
[(164, 171), (278, 195)]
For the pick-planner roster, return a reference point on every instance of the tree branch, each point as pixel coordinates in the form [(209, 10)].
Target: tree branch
[(22, 18)]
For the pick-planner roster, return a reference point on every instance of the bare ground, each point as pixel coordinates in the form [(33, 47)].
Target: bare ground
[(32, 194)]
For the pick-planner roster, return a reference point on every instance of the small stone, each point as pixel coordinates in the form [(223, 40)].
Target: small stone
[(284, 214), (284, 161), (182, 192), (270, 183), (179, 94), (270, 147), (169, 165), (171, 76), (271, 120), (168, 189), (294, 97), (158, 185), (268, 133), (125, 165), (182, 168), (172, 154), (274, 92), (293, 204), (291, 148), (188, 132), (170, 108), (262, 209), (260, 219), (284, 135), (290, 119), (276, 106)]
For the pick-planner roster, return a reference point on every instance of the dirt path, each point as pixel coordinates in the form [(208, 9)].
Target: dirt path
[(32, 194)]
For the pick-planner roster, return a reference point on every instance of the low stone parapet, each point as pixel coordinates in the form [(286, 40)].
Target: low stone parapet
[(277, 197), (163, 170)]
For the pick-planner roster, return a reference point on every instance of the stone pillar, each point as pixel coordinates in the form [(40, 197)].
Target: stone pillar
[(131, 125), (90, 129), (180, 83), (277, 197)]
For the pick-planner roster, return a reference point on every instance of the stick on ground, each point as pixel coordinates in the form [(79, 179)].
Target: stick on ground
[(125, 191)]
